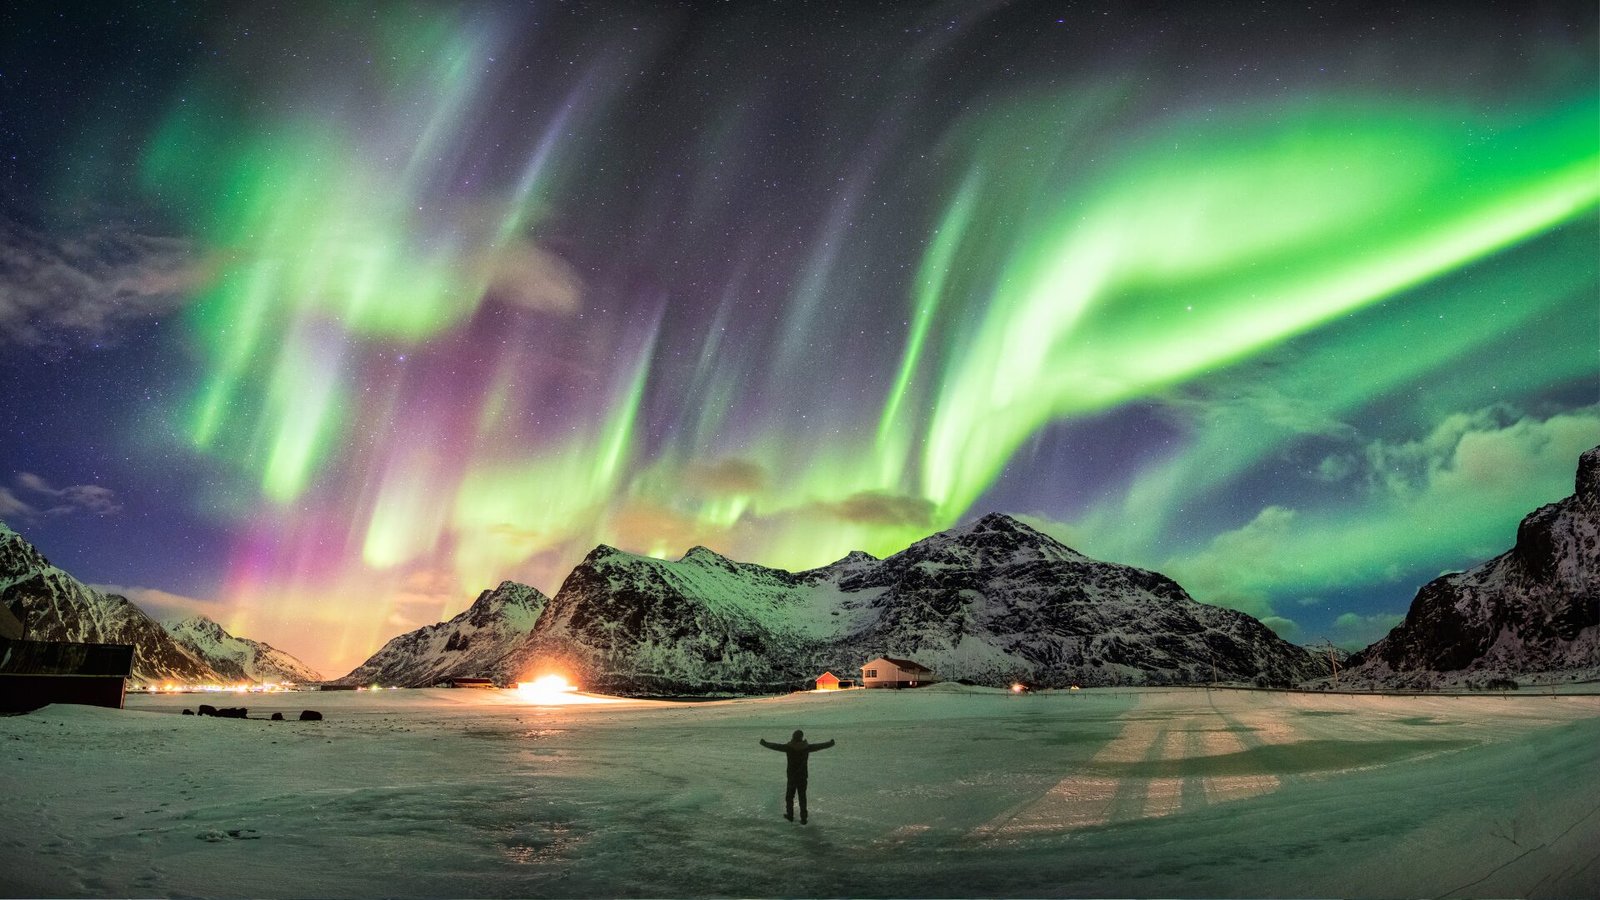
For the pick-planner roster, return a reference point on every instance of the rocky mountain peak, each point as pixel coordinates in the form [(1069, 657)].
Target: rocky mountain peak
[(999, 527), (1587, 487), (466, 645), (602, 552), (992, 539), (997, 521), (17, 555), (703, 554), (197, 624), (236, 658), (509, 593)]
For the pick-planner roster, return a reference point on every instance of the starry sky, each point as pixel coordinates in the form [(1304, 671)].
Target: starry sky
[(319, 319)]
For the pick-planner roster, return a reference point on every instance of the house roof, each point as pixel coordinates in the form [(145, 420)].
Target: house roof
[(905, 664), (827, 675)]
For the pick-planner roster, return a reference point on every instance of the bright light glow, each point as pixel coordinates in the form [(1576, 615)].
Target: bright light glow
[(545, 689), (239, 688), (553, 690)]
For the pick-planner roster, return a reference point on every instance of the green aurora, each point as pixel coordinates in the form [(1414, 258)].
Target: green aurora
[(1298, 350)]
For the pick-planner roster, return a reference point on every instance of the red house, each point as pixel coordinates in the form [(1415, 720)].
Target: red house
[(828, 681)]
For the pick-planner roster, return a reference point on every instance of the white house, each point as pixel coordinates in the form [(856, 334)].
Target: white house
[(888, 672)]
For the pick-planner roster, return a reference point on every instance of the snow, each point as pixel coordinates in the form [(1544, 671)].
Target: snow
[(254, 660), (937, 792)]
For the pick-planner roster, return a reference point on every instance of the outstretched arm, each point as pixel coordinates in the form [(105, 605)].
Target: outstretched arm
[(770, 745), (822, 746)]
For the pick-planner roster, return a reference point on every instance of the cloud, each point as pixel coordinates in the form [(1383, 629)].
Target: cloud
[(1354, 631), (1238, 567), (12, 505), (882, 508), (640, 526), (1336, 468), (163, 606), (54, 501), (1487, 451), (1450, 498), (425, 596), (88, 284), (725, 476), (1229, 404), (531, 277), (1287, 629)]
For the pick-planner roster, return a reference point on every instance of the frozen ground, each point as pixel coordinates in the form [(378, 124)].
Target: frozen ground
[(928, 793)]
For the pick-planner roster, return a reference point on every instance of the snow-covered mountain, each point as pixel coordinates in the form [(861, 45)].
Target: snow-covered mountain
[(54, 606), (471, 645), (634, 623), (992, 601), (1531, 611), (238, 659)]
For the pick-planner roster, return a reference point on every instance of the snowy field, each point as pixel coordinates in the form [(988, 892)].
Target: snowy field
[(936, 792)]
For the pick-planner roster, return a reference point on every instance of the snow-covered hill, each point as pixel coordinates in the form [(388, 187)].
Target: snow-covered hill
[(996, 599), (992, 602), (238, 659), (471, 645), (1533, 611), (54, 606)]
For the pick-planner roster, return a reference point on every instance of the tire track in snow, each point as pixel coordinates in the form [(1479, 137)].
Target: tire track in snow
[(1163, 796), (1086, 799)]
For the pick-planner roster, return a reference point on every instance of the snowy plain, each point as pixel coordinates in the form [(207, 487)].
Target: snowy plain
[(936, 792)]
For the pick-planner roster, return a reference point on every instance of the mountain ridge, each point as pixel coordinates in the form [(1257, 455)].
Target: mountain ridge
[(55, 606), (990, 601), (238, 659)]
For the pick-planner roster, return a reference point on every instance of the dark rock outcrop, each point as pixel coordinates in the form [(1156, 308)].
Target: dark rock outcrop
[(1533, 610)]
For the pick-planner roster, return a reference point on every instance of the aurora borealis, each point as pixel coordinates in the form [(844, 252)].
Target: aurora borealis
[(357, 312)]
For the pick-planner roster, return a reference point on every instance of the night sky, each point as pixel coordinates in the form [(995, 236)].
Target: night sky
[(319, 320)]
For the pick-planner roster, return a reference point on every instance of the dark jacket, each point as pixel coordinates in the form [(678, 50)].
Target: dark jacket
[(798, 752)]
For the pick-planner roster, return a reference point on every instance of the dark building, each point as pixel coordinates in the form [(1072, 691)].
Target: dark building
[(38, 673)]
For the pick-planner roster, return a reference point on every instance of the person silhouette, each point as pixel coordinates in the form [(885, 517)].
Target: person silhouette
[(799, 751)]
